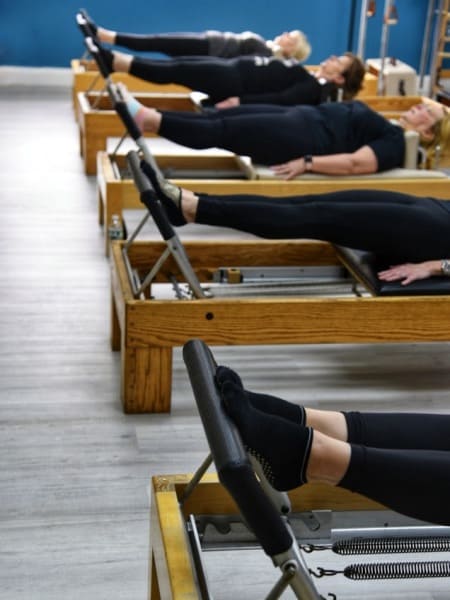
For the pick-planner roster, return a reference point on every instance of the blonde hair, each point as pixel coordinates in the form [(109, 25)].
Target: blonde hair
[(302, 48), (439, 143)]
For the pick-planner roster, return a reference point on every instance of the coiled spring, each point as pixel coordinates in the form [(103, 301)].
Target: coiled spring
[(399, 570), (404, 570), (384, 545)]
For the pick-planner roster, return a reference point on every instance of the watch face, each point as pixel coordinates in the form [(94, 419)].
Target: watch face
[(445, 266)]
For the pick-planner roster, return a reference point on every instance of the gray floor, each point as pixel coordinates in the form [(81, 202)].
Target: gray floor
[(74, 471)]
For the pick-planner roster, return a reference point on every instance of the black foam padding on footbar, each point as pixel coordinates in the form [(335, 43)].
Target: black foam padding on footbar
[(230, 458)]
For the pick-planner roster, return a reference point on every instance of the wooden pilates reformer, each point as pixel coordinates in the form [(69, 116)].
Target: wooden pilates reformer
[(249, 292), (237, 510)]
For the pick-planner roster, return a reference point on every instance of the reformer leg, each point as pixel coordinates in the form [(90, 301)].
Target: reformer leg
[(146, 379), (115, 339)]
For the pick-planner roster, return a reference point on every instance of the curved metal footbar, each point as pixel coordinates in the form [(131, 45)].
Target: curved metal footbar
[(174, 246), (236, 473), (117, 100)]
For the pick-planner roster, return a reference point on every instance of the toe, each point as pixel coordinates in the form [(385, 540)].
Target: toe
[(224, 374)]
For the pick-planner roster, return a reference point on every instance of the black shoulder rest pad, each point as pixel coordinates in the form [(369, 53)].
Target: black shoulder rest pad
[(364, 266)]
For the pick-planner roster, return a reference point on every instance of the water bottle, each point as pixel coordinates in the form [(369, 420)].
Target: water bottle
[(115, 229)]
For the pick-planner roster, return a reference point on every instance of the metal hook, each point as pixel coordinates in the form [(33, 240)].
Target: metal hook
[(324, 572)]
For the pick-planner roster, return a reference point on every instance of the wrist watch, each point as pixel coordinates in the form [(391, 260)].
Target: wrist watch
[(308, 162), (445, 267)]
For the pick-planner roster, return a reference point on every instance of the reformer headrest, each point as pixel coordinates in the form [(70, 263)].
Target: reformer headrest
[(364, 266)]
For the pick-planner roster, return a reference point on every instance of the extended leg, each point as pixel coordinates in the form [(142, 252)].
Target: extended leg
[(220, 78), (412, 482), (172, 44)]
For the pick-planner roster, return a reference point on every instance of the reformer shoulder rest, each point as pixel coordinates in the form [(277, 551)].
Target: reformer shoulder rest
[(364, 266)]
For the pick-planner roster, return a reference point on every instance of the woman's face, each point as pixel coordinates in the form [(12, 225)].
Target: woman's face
[(334, 66), (422, 117)]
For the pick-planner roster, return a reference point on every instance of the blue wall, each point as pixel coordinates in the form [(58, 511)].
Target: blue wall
[(45, 33)]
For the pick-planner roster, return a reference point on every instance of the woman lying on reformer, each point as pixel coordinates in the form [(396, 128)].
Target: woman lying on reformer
[(221, 44), (247, 80), (409, 234), (401, 460), (344, 138)]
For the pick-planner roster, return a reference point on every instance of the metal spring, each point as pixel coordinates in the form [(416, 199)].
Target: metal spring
[(391, 545), (406, 570), (384, 545), (403, 570)]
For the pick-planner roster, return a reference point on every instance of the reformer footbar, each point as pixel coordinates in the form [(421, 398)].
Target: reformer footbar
[(236, 473), (88, 34), (261, 509), (118, 103), (174, 246), (234, 281), (113, 90)]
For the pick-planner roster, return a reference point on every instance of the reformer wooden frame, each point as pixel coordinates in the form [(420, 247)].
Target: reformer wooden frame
[(97, 120), (116, 194), (171, 572), (146, 331), (86, 77)]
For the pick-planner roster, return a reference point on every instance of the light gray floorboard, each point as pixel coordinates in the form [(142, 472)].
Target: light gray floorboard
[(74, 470)]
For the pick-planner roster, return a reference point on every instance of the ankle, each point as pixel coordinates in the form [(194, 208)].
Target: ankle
[(122, 62), (106, 35), (328, 460), (330, 423), (188, 206)]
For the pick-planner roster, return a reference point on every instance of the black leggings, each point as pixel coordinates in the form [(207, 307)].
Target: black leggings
[(269, 134), (218, 77), (396, 227), (172, 44), (403, 461)]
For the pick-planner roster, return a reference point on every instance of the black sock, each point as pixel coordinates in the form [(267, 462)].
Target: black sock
[(169, 194), (267, 403), (282, 447), (93, 27)]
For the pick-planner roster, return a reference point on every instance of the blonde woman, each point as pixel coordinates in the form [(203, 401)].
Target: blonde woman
[(221, 44)]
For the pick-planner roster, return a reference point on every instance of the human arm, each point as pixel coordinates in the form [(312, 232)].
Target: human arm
[(228, 102), (359, 162), (410, 272)]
